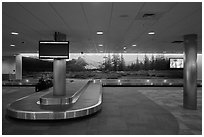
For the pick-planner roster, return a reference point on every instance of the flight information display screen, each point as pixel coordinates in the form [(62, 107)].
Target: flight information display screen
[(53, 49)]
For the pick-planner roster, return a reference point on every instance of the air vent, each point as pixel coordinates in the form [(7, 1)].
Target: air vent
[(177, 41), (147, 15), (124, 16)]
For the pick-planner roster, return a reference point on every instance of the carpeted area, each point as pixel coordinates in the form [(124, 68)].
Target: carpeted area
[(136, 113), (171, 99)]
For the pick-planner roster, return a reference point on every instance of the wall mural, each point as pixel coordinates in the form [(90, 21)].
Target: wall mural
[(109, 65), (122, 62)]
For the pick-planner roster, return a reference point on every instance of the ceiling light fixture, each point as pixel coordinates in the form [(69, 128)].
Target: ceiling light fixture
[(12, 45), (99, 32), (14, 33), (124, 47), (100, 45), (134, 45), (151, 33)]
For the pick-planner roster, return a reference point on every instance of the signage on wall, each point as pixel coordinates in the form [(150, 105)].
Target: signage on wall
[(176, 63)]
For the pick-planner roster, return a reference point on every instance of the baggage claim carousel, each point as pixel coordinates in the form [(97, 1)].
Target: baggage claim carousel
[(44, 106), (84, 100)]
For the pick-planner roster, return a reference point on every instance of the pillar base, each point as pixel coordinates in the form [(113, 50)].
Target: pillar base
[(189, 107), (50, 99)]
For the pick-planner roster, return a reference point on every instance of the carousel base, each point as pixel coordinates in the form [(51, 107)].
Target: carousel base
[(50, 99), (30, 107)]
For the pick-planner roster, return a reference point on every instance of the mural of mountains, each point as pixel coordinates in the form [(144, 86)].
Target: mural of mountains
[(91, 64)]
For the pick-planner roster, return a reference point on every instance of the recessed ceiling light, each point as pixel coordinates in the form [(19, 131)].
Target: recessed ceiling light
[(14, 33), (134, 45), (99, 33), (151, 33), (12, 45), (124, 47), (100, 45)]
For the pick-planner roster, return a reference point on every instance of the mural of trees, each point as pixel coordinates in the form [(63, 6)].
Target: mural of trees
[(107, 64), (153, 63), (117, 63), (121, 66)]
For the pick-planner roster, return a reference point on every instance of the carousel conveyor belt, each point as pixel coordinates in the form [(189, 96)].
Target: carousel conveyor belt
[(29, 107)]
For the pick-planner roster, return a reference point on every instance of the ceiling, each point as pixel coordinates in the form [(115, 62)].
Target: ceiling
[(123, 24)]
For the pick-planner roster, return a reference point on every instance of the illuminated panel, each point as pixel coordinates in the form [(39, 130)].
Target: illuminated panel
[(176, 63), (53, 49), (99, 32), (14, 33)]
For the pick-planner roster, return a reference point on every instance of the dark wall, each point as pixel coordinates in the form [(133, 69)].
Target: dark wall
[(36, 65)]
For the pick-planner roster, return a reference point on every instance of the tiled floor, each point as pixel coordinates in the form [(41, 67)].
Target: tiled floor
[(125, 110)]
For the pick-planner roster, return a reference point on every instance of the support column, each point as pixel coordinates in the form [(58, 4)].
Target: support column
[(59, 73), (59, 70), (190, 72), (18, 67)]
